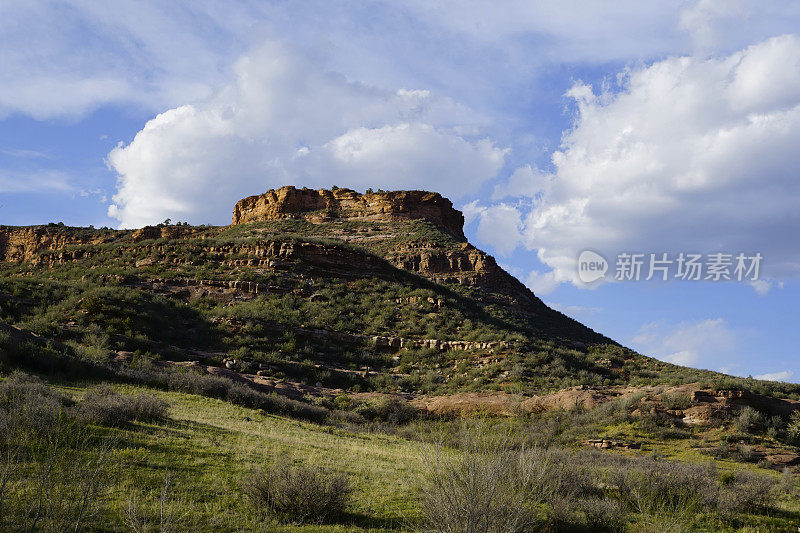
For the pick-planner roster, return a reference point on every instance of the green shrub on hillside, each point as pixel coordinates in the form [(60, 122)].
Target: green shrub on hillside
[(298, 493)]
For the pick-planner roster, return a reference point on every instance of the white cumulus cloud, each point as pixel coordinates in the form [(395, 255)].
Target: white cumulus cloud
[(688, 155), (708, 343), (784, 375), (499, 225), (285, 120)]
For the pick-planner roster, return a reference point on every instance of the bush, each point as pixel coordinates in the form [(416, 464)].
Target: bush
[(479, 490), (105, 407), (793, 428), (750, 421), (602, 514), (487, 485), (676, 402), (666, 495), (29, 408), (298, 493), (147, 408), (392, 411), (240, 394), (746, 491), (52, 469)]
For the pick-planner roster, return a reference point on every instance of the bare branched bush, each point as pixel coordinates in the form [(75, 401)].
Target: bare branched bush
[(479, 488), (298, 493), (602, 514), (488, 485), (746, 491)]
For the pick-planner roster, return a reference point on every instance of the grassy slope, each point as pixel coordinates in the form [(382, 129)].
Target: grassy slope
[(210, 444)]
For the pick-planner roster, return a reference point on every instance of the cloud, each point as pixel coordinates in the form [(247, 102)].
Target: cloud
[(706, 18), (23, 153), (776, 376), (69, 58), (761, 286), (574, 311), (498, 225), (708, 344), (541, 282), (687, 155), (525, 181), (33, 181), (285, 120)]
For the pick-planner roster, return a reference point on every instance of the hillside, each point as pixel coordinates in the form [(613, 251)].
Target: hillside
[(325, 324), (317, 288), (372, 292)]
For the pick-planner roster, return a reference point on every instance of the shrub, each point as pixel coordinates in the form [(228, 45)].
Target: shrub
[(479, 489), (52, 469), (105, 407), (194, 383), (29, 407), (147, 408), (666, 495), (746, 491), (601, 514), (750, 421), (240, 394), (793, 428), (745, 453), (488, 485), (298, 493), (393, 411), (676, 402)]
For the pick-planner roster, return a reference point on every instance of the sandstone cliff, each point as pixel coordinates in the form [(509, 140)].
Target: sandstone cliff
[(384, 228), (34, 244), (24, 243), (324, 205)]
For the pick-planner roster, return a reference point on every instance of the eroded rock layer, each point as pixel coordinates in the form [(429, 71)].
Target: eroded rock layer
[(323, 205)]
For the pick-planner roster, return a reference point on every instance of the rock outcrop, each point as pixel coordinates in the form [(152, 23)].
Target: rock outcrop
[(24, 243), (324, 205), (28, 243)]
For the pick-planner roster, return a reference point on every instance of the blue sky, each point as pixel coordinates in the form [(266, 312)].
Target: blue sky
[(556, 126)]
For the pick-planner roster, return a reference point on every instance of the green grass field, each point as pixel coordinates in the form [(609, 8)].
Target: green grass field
[(208, 446)]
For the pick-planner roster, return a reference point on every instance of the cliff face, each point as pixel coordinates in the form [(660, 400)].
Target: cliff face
[(24, 243), (457, 262), (325, 205), (28, 243)]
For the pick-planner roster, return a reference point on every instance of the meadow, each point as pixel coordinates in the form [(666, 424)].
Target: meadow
[(112, 456)]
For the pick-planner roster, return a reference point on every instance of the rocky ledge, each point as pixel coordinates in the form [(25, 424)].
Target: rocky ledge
[(324, 205)]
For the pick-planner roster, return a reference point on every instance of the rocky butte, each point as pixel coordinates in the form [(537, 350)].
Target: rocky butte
[(323, 205), (295, 231)]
